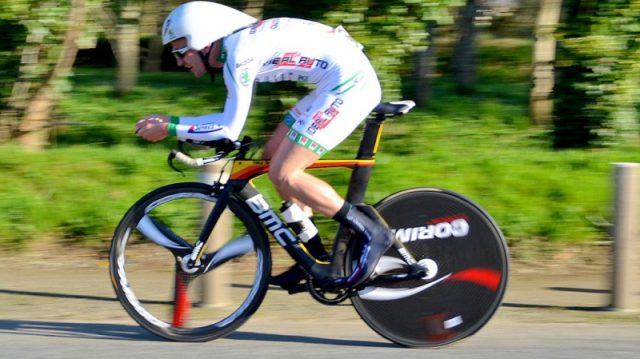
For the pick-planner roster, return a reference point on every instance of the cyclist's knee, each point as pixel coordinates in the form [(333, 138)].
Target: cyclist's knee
[(282, 179)]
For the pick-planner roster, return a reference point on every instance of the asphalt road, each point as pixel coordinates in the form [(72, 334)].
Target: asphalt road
[(267, 338), (67, 309)]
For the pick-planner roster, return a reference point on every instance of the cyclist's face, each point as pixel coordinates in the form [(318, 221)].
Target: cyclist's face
[(188, 58)]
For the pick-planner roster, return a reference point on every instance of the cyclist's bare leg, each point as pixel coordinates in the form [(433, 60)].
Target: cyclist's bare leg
[(289, 278), (277, 138), (287, 172)]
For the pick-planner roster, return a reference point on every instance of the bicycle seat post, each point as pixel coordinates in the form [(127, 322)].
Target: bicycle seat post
[(366, 151)]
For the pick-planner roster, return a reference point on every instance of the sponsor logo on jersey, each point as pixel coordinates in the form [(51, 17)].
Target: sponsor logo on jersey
[(296, 60), (206, 128), (245, 79), (260, 25), (293, 135), (323, 118), (456, 226), (244, 63), (257, 27)]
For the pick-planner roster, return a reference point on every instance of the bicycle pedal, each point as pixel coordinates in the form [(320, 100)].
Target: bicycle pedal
[(297, 288)]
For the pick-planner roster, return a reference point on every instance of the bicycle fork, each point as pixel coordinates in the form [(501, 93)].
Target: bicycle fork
[(193, 259)]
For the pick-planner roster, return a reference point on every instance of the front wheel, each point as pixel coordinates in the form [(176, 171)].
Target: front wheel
[(152, 242), (466, 259)]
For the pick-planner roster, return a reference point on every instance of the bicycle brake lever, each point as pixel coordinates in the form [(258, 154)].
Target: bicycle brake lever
[(170, 158)]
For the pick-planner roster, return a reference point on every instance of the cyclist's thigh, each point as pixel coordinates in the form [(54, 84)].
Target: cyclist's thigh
[(277, 138)]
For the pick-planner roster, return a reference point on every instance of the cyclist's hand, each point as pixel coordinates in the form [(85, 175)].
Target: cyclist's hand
[(153, 128)]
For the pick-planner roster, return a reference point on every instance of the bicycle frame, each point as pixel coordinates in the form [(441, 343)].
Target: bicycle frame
[(240, 185)]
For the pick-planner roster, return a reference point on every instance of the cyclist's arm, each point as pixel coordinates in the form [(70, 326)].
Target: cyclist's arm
[(227, 124)]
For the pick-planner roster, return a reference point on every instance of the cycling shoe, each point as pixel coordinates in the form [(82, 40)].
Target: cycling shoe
[(381, 240), (288, 278)]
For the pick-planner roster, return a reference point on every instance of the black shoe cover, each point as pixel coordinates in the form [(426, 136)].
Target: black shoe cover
[(376, 239), (288, 278)]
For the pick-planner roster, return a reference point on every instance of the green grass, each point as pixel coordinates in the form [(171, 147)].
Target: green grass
[(75, 194), (481, 146)]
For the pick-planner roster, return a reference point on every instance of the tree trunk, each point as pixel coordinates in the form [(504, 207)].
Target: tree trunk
[(255, 8), (464, 56), (128, 54), (108, 20), (35, 124), (153, 59), (544, 57), (152, 20), (426, 68)]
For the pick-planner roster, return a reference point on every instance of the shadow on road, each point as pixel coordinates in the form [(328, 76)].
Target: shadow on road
[(574, 308), (57, 295), (266, 337), (135, 333), (546, 306), (75, 330), (509, 305)]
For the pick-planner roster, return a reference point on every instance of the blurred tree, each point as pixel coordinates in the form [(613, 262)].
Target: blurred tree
[(544, 57), (572, 121), (128, 43), (53, 29), (15, 35), (426, 67), (601, 71), (255, 8), (464, 54), (392, 32), (153, 14)]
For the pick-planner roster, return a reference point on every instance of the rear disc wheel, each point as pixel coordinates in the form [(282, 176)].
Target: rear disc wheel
[(466, 259)]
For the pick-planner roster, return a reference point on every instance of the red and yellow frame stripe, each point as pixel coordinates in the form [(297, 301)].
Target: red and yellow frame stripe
[(246, 170)]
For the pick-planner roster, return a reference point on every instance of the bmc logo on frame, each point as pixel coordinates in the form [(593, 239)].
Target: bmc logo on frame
[(456, 227), (273, 223)]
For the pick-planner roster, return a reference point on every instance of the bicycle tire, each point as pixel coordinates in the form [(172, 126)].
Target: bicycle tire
[(468, 261), (158, 294)]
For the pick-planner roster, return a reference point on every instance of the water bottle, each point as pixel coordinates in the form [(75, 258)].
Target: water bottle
[(298, 221)]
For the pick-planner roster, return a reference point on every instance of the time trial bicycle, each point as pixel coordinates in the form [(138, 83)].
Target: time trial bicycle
[(441, 281)]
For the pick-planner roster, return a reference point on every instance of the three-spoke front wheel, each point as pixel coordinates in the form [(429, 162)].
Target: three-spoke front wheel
[(148, 252)]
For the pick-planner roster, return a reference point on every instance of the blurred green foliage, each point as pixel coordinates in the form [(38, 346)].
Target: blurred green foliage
[(392, 32), (599, 96), (15, 36), (482, 146)]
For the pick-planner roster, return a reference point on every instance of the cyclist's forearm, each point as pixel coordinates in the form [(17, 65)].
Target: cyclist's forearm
[(203, 128)]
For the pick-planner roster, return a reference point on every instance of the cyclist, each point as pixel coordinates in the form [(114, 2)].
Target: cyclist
[(206, 36)]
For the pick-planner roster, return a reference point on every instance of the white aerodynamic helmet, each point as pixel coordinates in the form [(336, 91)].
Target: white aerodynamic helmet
[(202, 22)]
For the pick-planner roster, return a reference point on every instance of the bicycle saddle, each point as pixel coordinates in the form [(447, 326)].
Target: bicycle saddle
[(395, 108)]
